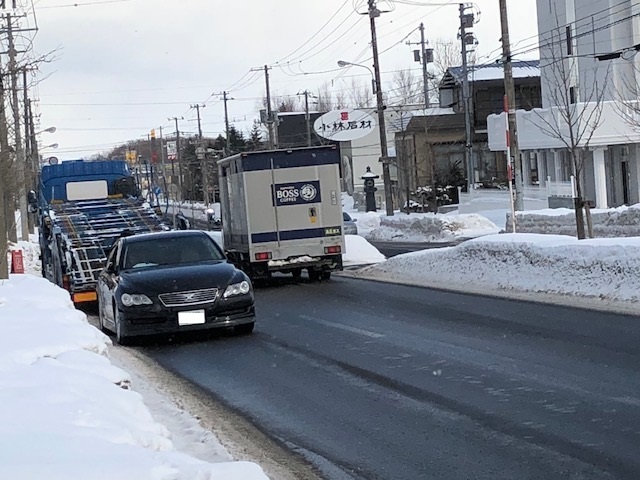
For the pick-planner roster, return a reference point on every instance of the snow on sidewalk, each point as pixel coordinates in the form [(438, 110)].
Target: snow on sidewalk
[(68, 412), (423, 227), (604, 269)]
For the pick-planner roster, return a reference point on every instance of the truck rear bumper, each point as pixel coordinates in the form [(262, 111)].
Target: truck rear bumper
[(84, 297), (328, 262)]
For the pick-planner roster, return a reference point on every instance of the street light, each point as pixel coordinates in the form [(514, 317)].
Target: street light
[(47, 130), (342, 64), (53, 145)]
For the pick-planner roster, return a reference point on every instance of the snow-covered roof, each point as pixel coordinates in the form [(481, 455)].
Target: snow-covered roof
[(493, 71)]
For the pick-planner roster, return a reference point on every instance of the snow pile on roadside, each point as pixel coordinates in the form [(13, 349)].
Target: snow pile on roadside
[(366, 221), (613, 222), (431, 227), (606, 269), (360, 252), (68, 412)]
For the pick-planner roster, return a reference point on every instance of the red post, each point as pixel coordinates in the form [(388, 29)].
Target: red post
[(17, 262)]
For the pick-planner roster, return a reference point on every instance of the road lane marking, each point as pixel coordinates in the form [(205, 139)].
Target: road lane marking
[(339, 326)]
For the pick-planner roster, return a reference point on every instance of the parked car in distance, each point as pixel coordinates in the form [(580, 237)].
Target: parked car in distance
[(350, 227), (170, 282)]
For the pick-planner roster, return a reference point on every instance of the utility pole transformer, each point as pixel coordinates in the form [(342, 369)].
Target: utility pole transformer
[(515, 161), (386, 175), (466, 21), (20, 156)]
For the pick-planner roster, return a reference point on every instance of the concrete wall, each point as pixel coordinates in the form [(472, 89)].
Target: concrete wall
[(622, 222)]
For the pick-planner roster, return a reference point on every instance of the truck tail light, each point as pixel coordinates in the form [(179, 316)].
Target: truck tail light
[(263, 256), (332, 250), (65, 282)]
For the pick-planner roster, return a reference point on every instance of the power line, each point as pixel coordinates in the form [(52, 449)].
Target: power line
[(316, 33)]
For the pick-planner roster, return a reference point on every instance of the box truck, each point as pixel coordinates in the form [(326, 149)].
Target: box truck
[(282, 211)]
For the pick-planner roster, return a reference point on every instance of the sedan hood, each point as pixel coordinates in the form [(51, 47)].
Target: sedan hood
[(178, 278)]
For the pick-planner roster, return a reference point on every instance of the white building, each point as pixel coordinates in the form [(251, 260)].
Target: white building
[(588, 61)]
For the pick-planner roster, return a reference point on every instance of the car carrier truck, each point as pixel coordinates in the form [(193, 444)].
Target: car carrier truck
[(83, 207), (282, 211)]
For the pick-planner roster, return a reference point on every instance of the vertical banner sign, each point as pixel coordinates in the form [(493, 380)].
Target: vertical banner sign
[(17, 262), (172, 151)]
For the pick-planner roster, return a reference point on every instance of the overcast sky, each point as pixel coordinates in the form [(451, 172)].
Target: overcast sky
[(125, 67)]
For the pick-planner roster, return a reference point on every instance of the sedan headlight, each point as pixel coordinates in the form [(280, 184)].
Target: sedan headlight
[(131, 300), (241, 288)]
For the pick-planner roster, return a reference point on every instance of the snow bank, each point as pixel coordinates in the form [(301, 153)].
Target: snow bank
[(360, 252), (67, 412), (431, 227), (614, 222), (607, 269)]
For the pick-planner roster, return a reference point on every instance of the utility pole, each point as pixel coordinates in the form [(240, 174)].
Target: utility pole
[(514, 161), (226, 123), (270, 122), (466, 21), (4, 184), (425, 81), (425, 73), (386, 175), (178, 155), (35, 155), (162, 162), (307, 115), (28, 147), (20, 156), (197, 107), (202, 156)]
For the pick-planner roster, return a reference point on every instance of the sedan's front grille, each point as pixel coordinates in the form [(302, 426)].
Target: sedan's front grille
[(194, 297)]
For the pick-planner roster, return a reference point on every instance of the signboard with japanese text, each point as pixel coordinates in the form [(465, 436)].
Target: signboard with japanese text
[(345, 125)]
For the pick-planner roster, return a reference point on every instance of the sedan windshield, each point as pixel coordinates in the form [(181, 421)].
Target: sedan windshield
[(170, 251)]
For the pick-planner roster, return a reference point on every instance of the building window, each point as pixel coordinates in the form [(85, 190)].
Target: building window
[(572, 95), (569, 40)]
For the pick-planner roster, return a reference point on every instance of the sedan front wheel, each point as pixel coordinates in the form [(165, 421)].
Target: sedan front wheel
[(121, 338)]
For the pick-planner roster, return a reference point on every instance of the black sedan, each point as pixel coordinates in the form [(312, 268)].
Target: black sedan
[(172, 281)]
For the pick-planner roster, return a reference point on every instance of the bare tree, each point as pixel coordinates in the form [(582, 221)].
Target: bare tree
[(325, 98), (571, 120), (406, 88), (627, 96), (340, 101), (446, 54), (287, 103), (360, 95)]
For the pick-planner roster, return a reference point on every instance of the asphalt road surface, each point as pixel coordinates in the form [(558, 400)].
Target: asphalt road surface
[(378, 381)]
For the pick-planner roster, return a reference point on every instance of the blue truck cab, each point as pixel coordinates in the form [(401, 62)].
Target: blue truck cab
[(94, 180)]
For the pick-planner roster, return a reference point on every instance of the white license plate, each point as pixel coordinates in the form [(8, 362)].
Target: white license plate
[(194, 317)]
